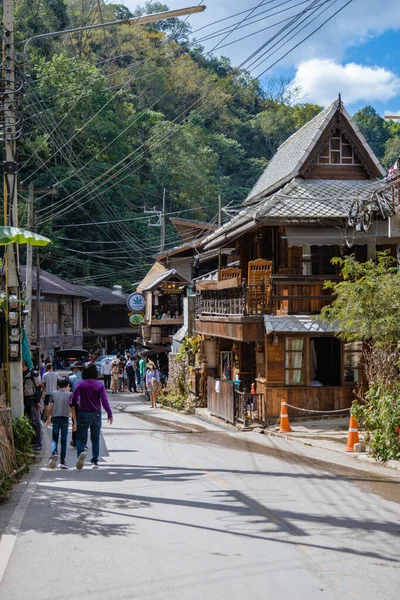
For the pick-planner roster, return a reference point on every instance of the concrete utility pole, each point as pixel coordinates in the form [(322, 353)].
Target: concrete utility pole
[(219, 225), (11, 128), (29, 256), (162, 232), (13, 292)]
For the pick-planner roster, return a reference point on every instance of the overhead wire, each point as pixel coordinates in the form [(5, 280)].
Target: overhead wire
[(136, 150), (333, 15)]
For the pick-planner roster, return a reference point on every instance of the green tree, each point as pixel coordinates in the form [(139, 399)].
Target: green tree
[(366, 308), (374, 128)]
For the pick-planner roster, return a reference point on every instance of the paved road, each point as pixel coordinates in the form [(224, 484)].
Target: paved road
[(182, 510)]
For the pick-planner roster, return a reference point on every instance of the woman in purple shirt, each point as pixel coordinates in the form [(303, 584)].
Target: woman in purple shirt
[(90, 395)]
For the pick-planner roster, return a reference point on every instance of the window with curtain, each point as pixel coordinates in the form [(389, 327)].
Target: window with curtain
[(294, 361), (353, 362)]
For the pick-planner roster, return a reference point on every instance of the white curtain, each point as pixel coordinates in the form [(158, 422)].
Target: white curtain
[(294, 360)]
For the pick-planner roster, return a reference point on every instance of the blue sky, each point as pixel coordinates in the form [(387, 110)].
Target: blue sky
[(357, 53)]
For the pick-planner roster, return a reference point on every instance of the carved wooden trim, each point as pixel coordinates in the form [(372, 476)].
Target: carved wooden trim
[(339, 122)]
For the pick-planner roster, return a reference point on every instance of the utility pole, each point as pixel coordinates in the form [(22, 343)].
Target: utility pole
[(13, 292), (162, 232), (29, 256), (219, 225), (11, 129)]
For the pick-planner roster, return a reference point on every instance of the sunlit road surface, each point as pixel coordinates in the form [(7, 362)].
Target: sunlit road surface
[(181, 510)]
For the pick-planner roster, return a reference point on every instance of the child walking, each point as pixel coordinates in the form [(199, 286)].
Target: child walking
[(59, 410)]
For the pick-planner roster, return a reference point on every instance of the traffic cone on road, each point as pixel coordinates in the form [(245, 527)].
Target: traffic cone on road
[(285, 425), (352, 438)]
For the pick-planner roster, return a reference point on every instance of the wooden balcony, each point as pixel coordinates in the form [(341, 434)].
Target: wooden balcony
[(299, 295), (285, 295)]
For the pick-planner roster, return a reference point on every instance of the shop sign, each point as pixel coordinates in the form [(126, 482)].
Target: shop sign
[(136, 302)]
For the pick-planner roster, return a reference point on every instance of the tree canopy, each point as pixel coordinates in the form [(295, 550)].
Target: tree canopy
[(113, 116)]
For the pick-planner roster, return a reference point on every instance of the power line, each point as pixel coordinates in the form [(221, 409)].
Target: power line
[(166, 135)]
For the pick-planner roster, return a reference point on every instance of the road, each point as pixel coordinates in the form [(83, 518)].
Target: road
[(183, 510)]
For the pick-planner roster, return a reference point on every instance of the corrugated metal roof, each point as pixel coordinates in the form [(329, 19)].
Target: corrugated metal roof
[(104, 295), (51, 284), (299, 199), (167, 276), (293, 153), (302, 198), (156, 270), (297, 324)]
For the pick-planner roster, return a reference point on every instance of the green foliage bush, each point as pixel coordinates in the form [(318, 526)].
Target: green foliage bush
[(24, 434), (380, 415)]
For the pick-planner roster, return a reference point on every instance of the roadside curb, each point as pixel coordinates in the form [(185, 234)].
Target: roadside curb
[(362, 457)]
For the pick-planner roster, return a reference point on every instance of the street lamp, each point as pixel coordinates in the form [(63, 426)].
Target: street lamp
[(11, 130)]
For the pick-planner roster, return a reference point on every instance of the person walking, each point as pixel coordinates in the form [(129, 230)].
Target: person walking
[(90, 395), (32, 388), (74, 379), (130, 371), (49, 381), (142, 371), (121, 375), (152, 383), (114, 376), (106, 372), (136, 369), (59, 411)]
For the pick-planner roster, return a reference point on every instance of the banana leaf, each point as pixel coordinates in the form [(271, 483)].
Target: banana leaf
[(11, 235)]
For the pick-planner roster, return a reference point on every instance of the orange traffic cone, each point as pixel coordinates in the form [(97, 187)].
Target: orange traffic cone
[(352, 438), (285, 425)]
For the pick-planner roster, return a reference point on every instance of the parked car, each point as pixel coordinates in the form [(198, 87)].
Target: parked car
[(99, 363), (65, 358)]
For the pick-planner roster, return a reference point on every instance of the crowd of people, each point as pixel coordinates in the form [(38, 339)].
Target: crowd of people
[(54, 399)]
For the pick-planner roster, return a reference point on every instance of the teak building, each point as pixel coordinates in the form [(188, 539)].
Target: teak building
[(259, 316)]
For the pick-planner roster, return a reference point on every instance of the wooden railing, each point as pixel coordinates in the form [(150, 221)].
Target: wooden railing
[(242, 300), (299, 294), (283, 296)]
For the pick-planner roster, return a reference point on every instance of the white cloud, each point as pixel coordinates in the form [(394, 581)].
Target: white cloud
[(322, 79), (358, 23)]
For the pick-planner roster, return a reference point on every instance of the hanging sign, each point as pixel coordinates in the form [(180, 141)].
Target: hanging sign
[(136, 302), (136, 319)]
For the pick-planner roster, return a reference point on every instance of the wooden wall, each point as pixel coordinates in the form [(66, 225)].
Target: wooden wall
[(312, 398), (347, 172), (275, 360)]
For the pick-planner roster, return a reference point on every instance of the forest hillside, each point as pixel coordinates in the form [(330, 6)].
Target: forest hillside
[(111, 117)]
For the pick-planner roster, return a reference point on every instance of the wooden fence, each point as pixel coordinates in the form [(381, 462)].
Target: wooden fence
[(7, 455), (220, 399)]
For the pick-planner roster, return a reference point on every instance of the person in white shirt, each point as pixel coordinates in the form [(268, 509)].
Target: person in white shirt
[(50, 379), (106, 372)]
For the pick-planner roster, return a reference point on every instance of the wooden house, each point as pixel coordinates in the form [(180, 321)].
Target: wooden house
[(57, 316), (106, 326), (258, 319), (164, 295)]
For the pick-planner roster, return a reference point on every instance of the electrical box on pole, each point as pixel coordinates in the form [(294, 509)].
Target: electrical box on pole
[(13, 292)]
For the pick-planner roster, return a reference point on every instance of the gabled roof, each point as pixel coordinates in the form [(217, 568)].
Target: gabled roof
[(171, 275), (53, 285), (292, 155), (301, 199), (104, 295), (189, 229), (156, 270)]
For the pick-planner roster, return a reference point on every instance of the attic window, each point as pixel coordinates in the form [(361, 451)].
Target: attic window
[(338, 151)]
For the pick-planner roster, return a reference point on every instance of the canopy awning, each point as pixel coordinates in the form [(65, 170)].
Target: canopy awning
[(297, 324), (379, 233), (111, 331)]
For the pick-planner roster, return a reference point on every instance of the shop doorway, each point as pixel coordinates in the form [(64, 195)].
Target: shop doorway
[(325, 361)]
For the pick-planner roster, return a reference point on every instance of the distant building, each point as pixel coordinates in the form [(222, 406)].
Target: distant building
[(106, 326), (59, 318)]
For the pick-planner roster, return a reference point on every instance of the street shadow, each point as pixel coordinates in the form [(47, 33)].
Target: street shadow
[(90, 512)]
